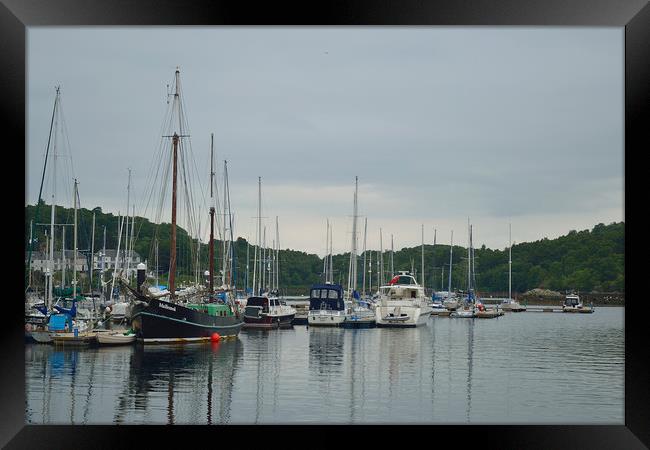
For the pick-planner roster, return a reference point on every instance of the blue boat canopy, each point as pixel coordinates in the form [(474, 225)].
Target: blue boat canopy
[(58, 321), (326, 296)]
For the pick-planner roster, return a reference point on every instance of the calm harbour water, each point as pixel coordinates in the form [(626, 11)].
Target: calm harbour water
[(546, 368)]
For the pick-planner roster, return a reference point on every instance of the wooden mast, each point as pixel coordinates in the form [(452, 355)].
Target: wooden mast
[(211, 215), (172, 241)]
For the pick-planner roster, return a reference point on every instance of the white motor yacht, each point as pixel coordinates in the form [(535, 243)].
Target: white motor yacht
[(402, 303)]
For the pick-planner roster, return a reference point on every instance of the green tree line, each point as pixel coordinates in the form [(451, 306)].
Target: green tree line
[(587, 260)]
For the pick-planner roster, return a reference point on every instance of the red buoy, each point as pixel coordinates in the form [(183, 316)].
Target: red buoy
[(215, 337)]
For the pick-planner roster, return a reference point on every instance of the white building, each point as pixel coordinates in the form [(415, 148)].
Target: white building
[(107, 261), (41, 261)]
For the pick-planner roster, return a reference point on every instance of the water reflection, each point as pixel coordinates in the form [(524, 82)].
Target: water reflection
[(189, 376), (326, 349), (470, 363), (531, 368)]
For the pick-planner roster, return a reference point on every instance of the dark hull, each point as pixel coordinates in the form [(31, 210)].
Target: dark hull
[(269, 321), (358, 324), (396, 325), (300, 320), (175, 323)]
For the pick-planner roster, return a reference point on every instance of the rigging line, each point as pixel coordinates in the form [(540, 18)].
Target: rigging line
[(67, 138)]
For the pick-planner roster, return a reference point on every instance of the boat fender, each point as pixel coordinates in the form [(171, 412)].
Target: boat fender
[(215, 337)]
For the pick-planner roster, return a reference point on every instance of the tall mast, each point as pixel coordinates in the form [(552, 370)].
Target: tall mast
[(433, 266), (40, 191), (365, 232), (352, 284), (103, 259), (451, 252), (55, 119), (211, 248), (172, 241), (469, 260), (120, 221), (471, 241), (264, 266), (277, 255), (131, 240), (331, 263), (259, 236), (62, 261), (392, 255), (381, 259), (74, 256), (509, 261), (92, 254), (224, 262), (422, 256), (327, 252), (370, 274), (127, 260)]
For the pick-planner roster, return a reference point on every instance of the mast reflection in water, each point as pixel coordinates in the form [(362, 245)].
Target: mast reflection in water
[(519, 368)]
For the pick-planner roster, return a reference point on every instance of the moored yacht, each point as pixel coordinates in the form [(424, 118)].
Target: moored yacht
[(327, 306), (267, 312), (512, 305), (573, 304), (402, 303)]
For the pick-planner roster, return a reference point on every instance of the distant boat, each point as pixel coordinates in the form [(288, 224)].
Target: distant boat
[(469, 308), (359, 314), (266, 310), (402, 303), (450, 302), (510, 304), (573, 304), (437, 306)]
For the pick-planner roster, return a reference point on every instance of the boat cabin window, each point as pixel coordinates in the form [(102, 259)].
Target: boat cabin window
[(315, 293), (405, 280), (257, 301), (333, 294)]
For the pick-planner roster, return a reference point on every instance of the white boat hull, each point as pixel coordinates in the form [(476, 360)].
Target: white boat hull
[(325, 318), (401, 316), (115, 338)]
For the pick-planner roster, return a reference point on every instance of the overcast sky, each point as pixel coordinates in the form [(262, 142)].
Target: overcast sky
[(500, 124)]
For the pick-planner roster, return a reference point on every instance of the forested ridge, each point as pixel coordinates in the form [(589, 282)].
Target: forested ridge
[(585, 260)]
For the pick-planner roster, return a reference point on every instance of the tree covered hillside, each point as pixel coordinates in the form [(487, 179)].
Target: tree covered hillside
[(588, 260)]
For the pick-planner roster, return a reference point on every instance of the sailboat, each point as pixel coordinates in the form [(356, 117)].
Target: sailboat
[(510, 304), (263, 310), (158, 321), (53, 318), (360, 313), (468, 309)]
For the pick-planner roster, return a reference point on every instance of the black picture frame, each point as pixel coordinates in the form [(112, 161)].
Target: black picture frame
[(16, 15)]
